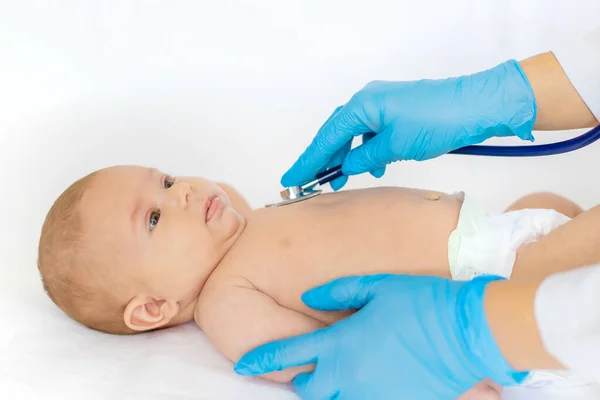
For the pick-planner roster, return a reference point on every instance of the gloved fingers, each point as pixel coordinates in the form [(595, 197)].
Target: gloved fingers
[(338, 183), (332, 136), (315, 386), (281, 354), (377, 172), (302, 385), (370, 156), (291, 177), (333, 114), (338, 159), (368, 136), (351, 292)]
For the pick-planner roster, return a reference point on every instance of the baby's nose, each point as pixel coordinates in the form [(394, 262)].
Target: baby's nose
[(184, 191)]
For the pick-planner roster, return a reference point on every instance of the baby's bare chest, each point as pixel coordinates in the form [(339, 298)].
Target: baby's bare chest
[(286, 251)]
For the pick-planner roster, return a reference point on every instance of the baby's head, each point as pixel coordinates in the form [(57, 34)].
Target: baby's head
[(127, 249)]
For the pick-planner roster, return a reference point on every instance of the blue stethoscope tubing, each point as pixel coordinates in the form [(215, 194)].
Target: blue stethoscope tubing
[(549, 149)]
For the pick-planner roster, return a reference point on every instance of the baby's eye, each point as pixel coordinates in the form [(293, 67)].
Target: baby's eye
[(168, 182), (154, 216)]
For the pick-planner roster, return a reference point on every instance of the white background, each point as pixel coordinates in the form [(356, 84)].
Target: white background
[(235, 90)]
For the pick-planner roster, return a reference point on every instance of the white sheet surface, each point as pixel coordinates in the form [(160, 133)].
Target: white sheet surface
[(232, 90)]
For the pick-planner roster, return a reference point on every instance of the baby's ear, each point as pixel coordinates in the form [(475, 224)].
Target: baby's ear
[(238, 202), (144, 313)]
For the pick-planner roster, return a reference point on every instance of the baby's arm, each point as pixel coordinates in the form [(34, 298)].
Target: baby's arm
[(239, 318)]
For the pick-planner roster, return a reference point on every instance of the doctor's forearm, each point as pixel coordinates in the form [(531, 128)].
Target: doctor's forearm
[(509, 307), (510, 304), (559, 106)]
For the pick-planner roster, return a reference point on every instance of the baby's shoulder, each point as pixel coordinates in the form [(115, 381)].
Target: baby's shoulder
[(221, 282), (217, 293)]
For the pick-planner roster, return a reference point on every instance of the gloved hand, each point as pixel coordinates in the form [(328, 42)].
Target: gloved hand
[(418, 120), (414, 337)]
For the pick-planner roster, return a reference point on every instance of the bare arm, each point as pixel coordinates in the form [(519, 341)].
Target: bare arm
[(510, 304), (559, 106), (239, 319), (509, 308)]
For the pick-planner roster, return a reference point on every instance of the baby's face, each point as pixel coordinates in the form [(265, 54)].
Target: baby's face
[(163, 235)]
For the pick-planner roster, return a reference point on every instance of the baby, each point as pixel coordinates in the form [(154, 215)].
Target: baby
[(129, 249)]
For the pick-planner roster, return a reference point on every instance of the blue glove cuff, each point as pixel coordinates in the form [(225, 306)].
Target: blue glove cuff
[(525, 114), (504, 104), (485, 355)]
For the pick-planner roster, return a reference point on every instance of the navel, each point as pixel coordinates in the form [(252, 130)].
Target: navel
[(434, 196)]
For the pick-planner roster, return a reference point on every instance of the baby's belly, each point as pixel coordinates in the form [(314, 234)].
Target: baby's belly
[(289, 250)]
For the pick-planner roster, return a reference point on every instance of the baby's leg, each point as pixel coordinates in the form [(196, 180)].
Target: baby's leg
[(548, 201), (571, 245)]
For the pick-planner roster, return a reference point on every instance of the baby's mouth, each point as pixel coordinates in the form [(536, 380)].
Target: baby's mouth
[(213, 206)]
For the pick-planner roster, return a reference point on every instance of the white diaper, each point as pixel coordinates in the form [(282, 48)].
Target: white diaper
[(486, 244)]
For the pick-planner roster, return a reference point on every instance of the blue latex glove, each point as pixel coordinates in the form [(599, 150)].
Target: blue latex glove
[(414, 337), (418, 120)]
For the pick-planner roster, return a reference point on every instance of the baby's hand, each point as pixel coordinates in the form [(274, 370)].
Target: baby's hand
[(486, 390)]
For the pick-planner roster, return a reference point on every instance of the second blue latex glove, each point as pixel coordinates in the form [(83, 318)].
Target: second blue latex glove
[(418, 120), (414, 337)]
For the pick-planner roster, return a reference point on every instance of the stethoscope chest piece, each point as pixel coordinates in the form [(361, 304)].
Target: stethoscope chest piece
[(294, 195)]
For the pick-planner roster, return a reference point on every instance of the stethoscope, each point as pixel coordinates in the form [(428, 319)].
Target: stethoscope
[(306, 191)]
